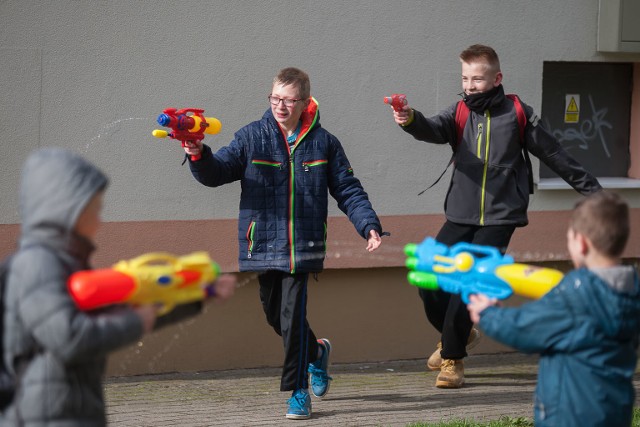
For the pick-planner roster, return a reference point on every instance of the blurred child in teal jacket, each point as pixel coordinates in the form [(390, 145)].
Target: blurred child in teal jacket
[(585, 329)]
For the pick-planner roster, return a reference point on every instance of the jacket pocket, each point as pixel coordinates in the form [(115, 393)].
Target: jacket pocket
[(271, 163), (507, 196), (479, 141), (307, 166), (266, 172), (250, 238)]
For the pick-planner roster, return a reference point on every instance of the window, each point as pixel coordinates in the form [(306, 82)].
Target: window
[(587, 107)]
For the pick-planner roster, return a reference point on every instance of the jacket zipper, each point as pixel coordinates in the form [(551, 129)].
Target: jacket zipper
[(486, 166), (291, 149), (292, 237)]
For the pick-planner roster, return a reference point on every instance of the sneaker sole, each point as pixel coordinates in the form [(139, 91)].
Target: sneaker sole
[(328, 364), (297, 417)]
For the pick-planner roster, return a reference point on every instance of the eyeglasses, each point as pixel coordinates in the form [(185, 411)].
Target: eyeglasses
[(274, 100)]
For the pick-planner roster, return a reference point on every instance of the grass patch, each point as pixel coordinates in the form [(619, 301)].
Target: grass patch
[(503, 422)]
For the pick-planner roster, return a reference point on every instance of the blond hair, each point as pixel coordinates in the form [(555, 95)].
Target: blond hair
[(480, 51)]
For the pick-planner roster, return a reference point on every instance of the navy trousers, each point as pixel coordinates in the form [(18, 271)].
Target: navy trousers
[(284, 300)]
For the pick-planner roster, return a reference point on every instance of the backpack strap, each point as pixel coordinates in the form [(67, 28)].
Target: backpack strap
[(462, 114), (522, 117), (522, 124)]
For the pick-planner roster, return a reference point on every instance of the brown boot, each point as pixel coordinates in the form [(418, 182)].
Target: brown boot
[(451, 374), (435, 360)]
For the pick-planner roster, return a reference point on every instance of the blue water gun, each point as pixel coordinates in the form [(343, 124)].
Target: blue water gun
[(467, 268)]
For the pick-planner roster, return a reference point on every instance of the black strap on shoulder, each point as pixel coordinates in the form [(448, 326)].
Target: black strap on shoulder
[(441, 175)]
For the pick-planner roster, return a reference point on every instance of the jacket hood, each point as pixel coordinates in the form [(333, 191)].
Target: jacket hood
[(310, 118), (616, 301), (56, 186)]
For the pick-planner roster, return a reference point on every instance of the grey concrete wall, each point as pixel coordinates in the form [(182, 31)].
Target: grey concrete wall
[(94, 75)]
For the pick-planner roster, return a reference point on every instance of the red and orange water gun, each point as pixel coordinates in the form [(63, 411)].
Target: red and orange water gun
[(187, 124)]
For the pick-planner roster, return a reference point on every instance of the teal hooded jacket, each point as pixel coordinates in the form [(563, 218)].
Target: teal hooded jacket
[(586, 332)]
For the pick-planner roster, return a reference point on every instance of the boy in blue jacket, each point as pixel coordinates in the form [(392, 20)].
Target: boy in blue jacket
[(288, 165), (585, 329)]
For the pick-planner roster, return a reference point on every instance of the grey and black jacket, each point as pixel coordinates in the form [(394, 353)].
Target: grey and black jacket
[(489, 183)]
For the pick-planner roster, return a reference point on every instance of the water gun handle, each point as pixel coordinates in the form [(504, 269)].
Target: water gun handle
[(193, 157)]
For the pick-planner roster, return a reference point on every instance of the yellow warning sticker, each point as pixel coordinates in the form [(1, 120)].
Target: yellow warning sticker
[(572, 108)]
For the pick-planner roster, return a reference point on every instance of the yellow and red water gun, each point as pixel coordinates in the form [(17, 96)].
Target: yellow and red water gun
[(187, 124), (155, 278)]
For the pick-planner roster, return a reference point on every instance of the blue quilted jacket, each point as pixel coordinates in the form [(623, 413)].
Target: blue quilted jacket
[(284, 202), (586, 332)]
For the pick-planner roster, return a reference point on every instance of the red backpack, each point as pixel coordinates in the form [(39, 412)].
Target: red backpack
[(462, 115)]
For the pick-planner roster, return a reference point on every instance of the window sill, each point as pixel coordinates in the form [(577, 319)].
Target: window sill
[(606, 182)]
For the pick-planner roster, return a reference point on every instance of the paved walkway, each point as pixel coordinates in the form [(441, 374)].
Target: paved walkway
[(369, 394)]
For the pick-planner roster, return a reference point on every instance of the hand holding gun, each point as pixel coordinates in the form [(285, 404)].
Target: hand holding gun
[(188, 124), (397, 101), (468, 269), (155, 278), (402, 114)]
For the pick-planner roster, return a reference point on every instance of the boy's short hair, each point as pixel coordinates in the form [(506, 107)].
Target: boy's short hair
[(603, 218), (480, 51), (296, 77)]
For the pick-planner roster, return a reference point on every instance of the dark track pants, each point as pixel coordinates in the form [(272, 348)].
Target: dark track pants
[(284, 300), (445, 311)]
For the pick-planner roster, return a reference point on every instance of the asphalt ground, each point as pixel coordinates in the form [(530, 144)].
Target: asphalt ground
[(395, 393)]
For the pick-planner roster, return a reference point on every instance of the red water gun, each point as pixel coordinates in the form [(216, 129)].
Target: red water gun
[(397, 101), (187, 124)]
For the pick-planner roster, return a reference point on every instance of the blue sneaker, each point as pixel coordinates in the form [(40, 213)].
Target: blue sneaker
[(319, 370), (299, 405)]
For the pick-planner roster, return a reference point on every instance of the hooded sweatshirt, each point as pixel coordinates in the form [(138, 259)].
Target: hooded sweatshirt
[(586, 331), (57, 352)]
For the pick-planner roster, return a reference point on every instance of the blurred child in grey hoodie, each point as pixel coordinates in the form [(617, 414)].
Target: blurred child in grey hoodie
[(58, 352)]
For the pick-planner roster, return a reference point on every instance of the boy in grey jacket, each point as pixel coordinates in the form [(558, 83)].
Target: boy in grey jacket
[(585, 329), (488, 195), (58, 352)]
